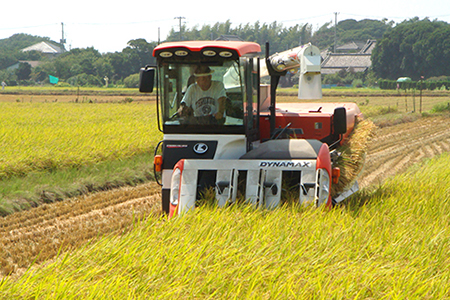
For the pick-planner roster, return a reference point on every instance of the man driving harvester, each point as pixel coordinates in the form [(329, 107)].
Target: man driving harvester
[(205, 98)]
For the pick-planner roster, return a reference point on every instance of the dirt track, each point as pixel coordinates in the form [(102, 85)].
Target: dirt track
[(41, 232)]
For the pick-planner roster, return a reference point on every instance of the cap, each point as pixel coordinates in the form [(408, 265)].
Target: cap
[(203, 71)]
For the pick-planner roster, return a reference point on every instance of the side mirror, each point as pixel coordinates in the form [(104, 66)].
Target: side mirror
[(340, 120), (146, 79)]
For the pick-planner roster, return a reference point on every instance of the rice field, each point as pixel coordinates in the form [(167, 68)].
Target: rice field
[(390, 243), (46, 136)]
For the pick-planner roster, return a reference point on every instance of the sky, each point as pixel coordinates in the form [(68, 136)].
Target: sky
[(109, 25)]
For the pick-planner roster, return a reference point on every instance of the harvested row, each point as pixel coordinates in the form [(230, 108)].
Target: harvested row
[(396, 148), (40, 233)]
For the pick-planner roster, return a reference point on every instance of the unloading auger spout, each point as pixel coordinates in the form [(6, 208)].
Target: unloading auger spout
[(307, 59)]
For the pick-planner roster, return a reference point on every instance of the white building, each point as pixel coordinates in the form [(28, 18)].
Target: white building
[(45, 48)]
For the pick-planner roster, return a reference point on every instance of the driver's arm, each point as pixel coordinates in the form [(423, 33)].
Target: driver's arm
[(184, 110), (221, 108)]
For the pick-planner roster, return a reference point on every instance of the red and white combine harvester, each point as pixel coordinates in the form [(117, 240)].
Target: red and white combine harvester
[(234, 138)]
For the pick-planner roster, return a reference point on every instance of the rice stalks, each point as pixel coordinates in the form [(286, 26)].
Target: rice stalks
[(353, 154)]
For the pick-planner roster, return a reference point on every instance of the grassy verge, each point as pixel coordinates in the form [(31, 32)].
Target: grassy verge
[(21, 192), (389, 243)]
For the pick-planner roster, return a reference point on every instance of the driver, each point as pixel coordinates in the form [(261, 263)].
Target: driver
[(205, 97)]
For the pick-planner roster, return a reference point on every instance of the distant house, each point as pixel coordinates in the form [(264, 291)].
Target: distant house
[(352, 47), (32, 63), (45, 48), (356, 58)]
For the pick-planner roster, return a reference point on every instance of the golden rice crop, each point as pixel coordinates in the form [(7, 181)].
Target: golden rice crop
[(353, 155), (394, 247), (37, 136)]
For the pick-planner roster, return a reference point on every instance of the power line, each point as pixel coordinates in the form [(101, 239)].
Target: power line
[(180, 18), (31, 26), (335, 31), (87, 24)]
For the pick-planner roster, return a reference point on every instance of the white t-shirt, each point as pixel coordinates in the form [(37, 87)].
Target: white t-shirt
[(204, 103)]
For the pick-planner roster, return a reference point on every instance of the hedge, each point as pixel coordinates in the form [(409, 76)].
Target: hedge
[(419, 85)]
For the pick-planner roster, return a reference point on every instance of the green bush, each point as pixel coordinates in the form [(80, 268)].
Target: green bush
[(62, 84), (85, 80), (131, 81), (386, 84), (442, 107)]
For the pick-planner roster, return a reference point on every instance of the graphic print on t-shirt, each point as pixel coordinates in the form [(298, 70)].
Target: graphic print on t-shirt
[(204, 106)]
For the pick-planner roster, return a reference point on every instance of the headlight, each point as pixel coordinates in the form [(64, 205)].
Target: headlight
[(323, 191), (175, 187)]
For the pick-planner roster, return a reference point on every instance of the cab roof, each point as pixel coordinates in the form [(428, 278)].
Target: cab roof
[(241, 48)]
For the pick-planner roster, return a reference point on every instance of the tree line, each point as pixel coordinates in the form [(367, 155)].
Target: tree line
[(412, 48), (79, 66), (283, 38)]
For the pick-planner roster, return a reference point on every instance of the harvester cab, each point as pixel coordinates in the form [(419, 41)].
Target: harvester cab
[(223, 130)]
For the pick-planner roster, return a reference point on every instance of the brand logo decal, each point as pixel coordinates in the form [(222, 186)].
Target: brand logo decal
[(200, 148), (177, 146), (289, 164)]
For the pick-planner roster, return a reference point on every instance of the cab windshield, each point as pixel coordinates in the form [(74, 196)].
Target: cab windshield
[(201, 98)]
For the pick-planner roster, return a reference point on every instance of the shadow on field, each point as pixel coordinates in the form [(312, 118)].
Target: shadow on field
[(366, 197)]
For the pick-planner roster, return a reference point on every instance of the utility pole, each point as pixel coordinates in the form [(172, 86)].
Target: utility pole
[(63, 40), (335, 31), (180, 18)]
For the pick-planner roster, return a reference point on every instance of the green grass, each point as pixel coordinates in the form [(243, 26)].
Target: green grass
[(389, 243)]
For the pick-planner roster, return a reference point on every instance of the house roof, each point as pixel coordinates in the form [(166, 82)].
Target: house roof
[(352, 46), (355, 62), (335, 62), (368, 47), (358, 46), (32, 63), (44, 47)]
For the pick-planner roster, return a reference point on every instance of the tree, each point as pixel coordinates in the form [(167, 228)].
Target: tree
[(139, 52), (350, 31), (324, 37), (24, 71), (413, 48)]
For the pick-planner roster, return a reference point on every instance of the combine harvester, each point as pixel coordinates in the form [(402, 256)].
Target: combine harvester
[(239, 142)]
